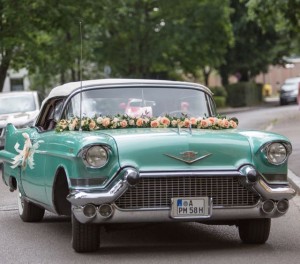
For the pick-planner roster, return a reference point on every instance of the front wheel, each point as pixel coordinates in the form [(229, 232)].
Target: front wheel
[(85, 237), (28, 211), (254, 231)]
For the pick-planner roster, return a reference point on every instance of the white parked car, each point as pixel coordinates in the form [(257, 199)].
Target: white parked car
[(18, 108)]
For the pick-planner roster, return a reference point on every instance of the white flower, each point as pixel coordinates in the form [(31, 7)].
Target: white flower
[(99, 120)]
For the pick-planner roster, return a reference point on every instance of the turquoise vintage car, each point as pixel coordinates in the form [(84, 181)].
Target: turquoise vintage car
[(131, 151)]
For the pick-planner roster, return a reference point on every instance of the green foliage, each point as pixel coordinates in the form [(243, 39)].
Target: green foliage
[(244, 94), (255, 47), (219, 91), (284, 16), (220, 101), (145, 38)]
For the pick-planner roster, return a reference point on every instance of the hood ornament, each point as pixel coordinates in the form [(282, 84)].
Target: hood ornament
[(188, 157)]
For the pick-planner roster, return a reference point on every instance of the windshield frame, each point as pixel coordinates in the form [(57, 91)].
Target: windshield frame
[(208, 97)]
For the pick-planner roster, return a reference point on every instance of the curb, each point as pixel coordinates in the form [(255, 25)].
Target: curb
[(294, 181)]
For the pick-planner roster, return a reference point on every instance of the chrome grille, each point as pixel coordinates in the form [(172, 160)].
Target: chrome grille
[(157, 192)]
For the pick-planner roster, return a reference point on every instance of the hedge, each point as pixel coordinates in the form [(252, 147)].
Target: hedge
[(244, 94)]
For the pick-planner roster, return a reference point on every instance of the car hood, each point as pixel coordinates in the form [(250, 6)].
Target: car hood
[(17, 119), (169, 149)]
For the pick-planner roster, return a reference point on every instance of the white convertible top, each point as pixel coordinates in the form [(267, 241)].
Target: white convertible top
[(68, 88)]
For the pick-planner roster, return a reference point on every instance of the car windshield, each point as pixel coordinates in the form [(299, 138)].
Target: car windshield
[(140, 101), (10, 104)]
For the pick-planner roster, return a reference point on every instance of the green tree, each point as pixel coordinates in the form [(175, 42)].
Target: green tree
[(283, 15), (149, 38), (43, 36), (255, 48), (203, 33)]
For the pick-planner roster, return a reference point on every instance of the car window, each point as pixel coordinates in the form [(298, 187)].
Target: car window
[(15, 104), (134, 102)]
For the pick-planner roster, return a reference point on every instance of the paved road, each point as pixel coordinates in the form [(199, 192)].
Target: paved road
[(49, 241)]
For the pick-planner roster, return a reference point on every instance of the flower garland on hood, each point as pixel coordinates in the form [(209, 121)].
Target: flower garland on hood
[(124, 121)]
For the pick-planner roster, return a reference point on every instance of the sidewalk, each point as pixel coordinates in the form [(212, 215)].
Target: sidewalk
[(268, 102)]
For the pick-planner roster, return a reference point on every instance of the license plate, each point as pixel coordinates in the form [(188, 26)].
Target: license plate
[(191, 207)]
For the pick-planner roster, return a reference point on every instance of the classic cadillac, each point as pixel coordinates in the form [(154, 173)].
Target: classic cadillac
[(136, 151)]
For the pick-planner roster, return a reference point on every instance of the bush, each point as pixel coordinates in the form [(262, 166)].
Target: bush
[(244, 94), (218, 91), (220, 101)]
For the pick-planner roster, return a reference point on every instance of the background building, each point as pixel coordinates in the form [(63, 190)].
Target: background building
[(16, 81)]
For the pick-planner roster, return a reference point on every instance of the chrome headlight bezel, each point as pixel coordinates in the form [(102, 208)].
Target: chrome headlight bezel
[(277, 152), (95, 156)]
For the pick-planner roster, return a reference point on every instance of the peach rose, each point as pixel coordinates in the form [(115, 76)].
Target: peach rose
[(165, 121), (139, 122), (106, 122), (204, 123), (225, 123), (213, 120), (92, 125), (187, 123), (154, 123), (233, 124), (123, 123), (193, 120)]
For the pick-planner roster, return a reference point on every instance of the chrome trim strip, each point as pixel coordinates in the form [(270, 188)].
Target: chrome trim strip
[(164, 216), (277, 193), (188, 161), (188, 173), (80, 198)]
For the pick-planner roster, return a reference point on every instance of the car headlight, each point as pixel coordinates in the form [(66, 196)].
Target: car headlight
[(276, 153), (95, 156)]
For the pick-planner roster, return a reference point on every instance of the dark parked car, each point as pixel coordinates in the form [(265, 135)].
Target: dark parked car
[(289, 91), (134, 151)]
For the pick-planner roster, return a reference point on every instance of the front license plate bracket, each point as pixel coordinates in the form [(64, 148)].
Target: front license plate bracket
[(191, 207)]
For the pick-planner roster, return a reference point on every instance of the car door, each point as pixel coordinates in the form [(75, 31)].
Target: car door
[(33, 167)]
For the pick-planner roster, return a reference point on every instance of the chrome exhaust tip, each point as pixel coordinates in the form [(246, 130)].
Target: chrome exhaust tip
[(105, 210), (89, 210), (268, 206), (283, 206)]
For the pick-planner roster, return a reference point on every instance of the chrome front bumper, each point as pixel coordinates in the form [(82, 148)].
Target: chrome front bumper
[(80, 198)]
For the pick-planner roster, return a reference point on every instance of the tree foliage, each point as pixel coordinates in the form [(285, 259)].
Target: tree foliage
[(255, 47), (142, 38)]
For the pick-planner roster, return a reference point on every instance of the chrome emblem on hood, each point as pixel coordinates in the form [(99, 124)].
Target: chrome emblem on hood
[(188, 157)]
